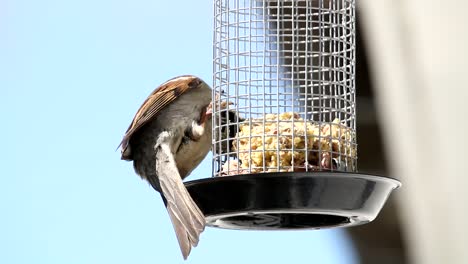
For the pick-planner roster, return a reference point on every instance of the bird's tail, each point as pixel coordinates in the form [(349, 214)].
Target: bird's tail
[(186, 217)]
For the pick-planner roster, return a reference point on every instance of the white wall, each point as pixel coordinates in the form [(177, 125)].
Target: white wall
[(419, 60)]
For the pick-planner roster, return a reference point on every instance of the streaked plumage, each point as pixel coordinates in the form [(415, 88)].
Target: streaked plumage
[(168, 137)]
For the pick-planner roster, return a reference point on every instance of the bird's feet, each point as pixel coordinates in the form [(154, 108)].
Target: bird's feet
[(198, 128)]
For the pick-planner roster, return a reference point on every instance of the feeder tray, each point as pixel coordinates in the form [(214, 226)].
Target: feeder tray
[(297, 200)]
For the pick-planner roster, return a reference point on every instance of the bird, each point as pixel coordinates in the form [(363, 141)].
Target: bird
[(169, 136)]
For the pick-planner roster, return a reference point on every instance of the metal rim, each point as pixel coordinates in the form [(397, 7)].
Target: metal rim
[(395, 181)]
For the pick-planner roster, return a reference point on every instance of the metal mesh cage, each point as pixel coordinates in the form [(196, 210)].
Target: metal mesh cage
[(284, 86)]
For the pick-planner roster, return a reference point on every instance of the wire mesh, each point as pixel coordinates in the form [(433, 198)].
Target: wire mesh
[(284, 86)]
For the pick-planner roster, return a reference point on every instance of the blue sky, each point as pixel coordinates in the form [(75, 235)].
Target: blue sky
[(72, 75)]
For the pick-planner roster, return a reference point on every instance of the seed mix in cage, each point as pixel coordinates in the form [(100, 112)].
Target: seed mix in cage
[(286, 142), (271, 57)]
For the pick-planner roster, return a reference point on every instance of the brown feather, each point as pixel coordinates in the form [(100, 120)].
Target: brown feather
[(165, 94)]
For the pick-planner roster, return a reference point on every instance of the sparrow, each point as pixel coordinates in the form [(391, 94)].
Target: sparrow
[(169, 136)]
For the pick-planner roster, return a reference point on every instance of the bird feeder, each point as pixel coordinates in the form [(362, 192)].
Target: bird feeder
[(284, 119)]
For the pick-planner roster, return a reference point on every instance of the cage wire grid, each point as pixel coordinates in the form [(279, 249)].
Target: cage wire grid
[(286, 68)]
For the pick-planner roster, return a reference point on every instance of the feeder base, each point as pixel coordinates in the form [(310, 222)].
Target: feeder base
[(296, 200)]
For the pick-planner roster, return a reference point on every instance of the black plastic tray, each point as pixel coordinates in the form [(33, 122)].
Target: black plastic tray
[(298, 200)]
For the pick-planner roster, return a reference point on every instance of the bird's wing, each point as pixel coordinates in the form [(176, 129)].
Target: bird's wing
[(186, 217), (156, 101)]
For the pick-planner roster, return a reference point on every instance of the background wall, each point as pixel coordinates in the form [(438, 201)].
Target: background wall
[(417, 62)]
